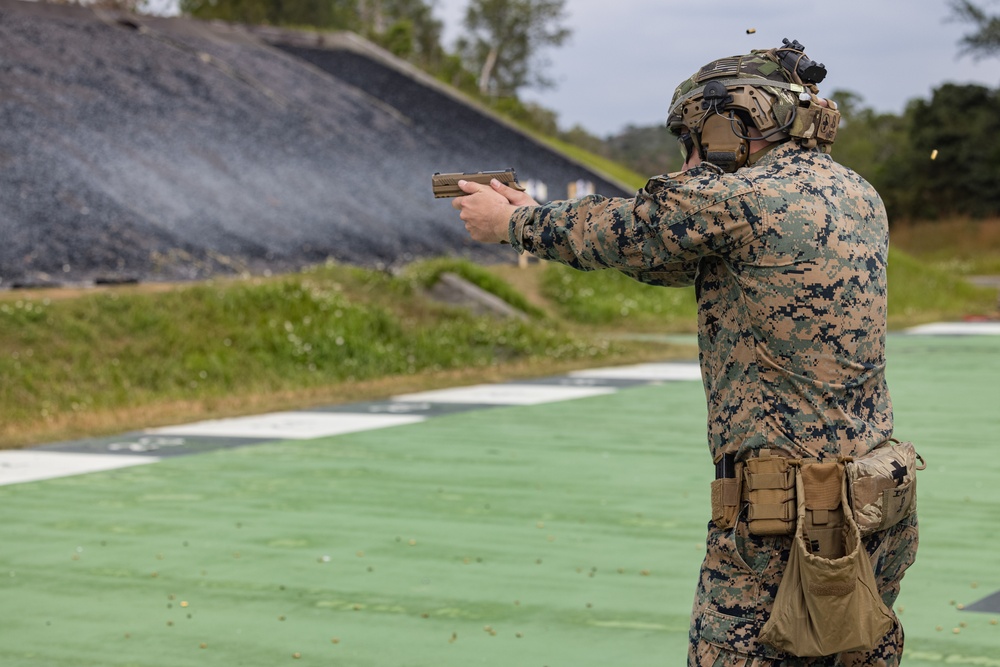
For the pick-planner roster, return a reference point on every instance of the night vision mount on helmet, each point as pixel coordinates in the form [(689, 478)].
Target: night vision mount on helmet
[(772, 90)]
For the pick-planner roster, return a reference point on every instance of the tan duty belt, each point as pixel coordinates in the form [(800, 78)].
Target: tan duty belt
[(881, 488)]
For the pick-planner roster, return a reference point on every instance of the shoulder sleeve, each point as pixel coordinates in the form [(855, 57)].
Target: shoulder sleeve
[(674, 221)]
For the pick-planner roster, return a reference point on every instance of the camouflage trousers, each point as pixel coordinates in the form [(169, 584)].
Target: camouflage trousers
[(740, 577)]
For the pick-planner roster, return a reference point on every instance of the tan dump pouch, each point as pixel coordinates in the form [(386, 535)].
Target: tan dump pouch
[(769, 488), (826, 606), (726, 498), (882, 486)]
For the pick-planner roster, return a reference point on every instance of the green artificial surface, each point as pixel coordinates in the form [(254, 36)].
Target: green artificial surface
[(567, 534)]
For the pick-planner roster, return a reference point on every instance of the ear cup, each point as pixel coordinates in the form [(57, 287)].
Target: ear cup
[(723, 142)]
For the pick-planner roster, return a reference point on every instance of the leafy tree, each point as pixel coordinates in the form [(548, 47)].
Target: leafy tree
[(453, 72), (580, 136), (946, 159), (505, 37), (405, 27), (529, 114), (648, 151), (867, 140), (985, 41), (960, 122)]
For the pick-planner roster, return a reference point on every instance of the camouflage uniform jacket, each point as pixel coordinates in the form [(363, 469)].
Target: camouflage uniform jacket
[(788, 258)]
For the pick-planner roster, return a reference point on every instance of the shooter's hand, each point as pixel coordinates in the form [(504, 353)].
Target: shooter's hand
[(486, 210)]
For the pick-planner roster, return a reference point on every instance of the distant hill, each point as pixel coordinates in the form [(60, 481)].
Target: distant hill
[(143, 148)]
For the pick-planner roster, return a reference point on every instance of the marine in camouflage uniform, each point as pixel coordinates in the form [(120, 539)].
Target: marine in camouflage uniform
[(788, 260)]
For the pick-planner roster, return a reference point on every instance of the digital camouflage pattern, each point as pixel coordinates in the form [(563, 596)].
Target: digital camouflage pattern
[(788, 259)]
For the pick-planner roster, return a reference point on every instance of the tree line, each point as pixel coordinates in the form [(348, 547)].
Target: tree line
[(940, 158), (498, 55)]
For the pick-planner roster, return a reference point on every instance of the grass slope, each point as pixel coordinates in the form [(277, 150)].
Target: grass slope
[(110, 360)]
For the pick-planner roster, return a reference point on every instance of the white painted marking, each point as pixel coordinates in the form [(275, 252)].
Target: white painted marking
[(651, 372), (507, 394), (957, 329), (29, 465), (145, 444), (289, 425), (32, 465)]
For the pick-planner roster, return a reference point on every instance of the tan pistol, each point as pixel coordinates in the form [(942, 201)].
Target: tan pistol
[(446, 185)]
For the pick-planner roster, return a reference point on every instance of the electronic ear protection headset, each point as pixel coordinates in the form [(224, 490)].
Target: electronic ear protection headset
[(723, 139)]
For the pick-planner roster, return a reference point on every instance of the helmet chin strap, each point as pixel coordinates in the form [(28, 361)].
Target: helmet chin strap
[(757, 155)]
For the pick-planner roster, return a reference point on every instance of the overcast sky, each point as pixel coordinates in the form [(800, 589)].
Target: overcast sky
[(624, 58)]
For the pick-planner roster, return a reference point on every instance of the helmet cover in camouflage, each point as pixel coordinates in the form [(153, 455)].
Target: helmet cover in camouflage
[(750, 71)]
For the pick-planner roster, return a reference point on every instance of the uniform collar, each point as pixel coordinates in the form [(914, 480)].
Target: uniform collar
[(768, 155)]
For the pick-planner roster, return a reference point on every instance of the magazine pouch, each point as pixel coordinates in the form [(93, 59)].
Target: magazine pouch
[(769, 488), (726, 498)]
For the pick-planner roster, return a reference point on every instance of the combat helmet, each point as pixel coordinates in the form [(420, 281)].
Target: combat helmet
[(774, 90)]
